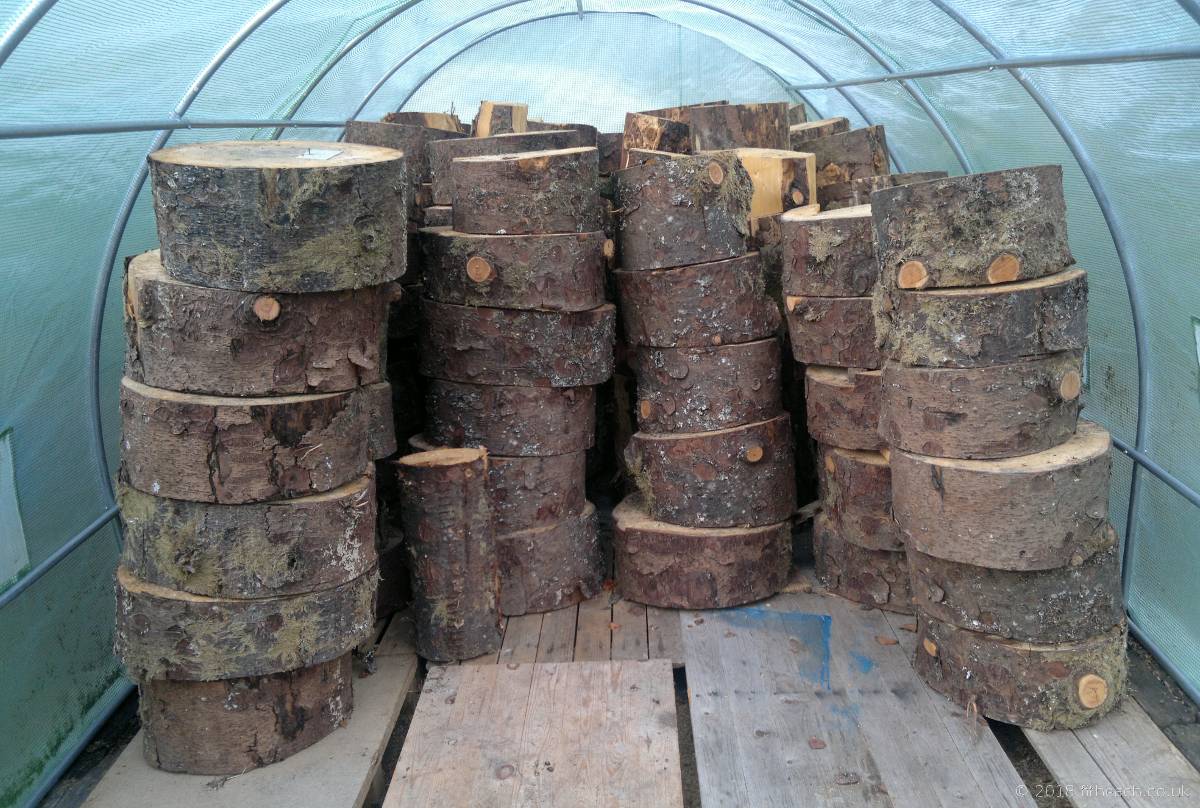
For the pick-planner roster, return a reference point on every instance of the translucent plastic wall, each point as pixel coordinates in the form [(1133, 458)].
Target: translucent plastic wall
[(1127, 133)]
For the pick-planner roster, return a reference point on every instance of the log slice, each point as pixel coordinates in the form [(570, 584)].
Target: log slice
[(281, 215)]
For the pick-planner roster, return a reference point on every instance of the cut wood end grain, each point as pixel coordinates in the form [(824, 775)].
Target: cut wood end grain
[(912, 275), (1004, 268), (267, 154), (443, 457)]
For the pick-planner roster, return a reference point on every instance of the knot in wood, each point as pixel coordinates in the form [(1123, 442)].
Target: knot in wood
[(912, 275), (930, 647), (716, 174), (1005, 267), (754, 454), (479, 269), (1093, 691), (266, 308)]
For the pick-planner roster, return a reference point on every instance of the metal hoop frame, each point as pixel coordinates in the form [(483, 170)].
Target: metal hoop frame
[(37, 10)]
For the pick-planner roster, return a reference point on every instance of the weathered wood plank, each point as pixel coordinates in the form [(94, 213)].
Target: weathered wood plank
[(629, 631), (557, 642), (581, 734), (593, 636), (812, 695), (664, 635), (337, 771), (521, 639), (1124, 753)]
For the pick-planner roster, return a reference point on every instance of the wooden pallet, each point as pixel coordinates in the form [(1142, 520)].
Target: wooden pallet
[(575, 734), (340, 771), (605, 627)]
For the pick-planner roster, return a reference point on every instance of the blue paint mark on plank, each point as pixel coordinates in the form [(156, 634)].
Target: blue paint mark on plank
[(864, 663), (806, 635)]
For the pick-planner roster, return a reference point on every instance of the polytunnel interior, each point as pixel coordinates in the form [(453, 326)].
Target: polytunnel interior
[(88, 89)]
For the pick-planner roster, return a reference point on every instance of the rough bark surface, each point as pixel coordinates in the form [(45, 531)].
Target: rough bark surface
[(442, 121), (856, 493), (649, 132), (591, 135), (443, 152), (673, 567), (731, 126), (381, 423), (411, 139), (534, 492), (562, 272), (862, 188), (973, 230), (982, 413), (447, 517), (741, 476), (190, 338), (259, 550), (704, 389), (500, 118), (521, 421), (797, 114), (439, 216), (717, 303), (679, 209), (829, 254), (878, 578), (527, 348), (230, 450), (1053, 605), (528, 192), (262, 216), (1041, 687), (844, 157), (834, 331), (167, 634), (1031, 512), (611, 146), (235, 725), (843, 407), (805, 131), (551, 566), (976, 327)]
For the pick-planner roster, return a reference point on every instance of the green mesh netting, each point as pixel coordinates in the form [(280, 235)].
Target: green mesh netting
[(104, 60)]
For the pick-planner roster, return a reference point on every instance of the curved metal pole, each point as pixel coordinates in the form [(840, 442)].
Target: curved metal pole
[(1117, 231), (332, 63), (1192, 7), (764, 31), (100, 296), (913, 89), (479, 40), (21, 27)]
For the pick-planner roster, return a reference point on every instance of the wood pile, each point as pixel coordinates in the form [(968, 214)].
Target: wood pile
[(254, 402), (829, 276), (516, 335), (712, 461), (999, 490)]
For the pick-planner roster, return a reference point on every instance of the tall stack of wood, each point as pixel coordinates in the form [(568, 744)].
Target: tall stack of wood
[(1000, 491), (410, 133), (842, 156), (829, 276), (710, 524), (253, 404), (516, 335)]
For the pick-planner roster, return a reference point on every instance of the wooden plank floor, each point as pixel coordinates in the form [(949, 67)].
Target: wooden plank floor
[(576, 734), (808, 699), (1122, 760), (605, 627), (340, 770)]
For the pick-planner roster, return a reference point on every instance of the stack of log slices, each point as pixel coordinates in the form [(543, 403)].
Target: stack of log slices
[(710, 524), (410, 133), (829, 276), (843, 156), (999, 490), (253, 405), (515, 336)]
